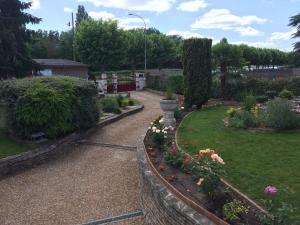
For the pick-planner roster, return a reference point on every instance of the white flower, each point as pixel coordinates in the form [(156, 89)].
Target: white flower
[(165, 132), (161, 121), (171, 128), (151, 123), (182, 108), (165, 136), (157, 131), (149, 128)]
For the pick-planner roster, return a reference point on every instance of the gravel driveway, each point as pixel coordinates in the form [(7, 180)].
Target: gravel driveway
[(91, 183)]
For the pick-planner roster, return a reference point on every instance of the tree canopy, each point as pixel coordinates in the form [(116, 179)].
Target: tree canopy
[(81, 15), (14, 55)]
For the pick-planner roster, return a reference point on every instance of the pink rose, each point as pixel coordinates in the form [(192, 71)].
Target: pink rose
[(217, 158)]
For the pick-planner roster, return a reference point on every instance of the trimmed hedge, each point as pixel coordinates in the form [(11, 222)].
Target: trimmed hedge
[(196, 58), (236, 88), (54, 106)]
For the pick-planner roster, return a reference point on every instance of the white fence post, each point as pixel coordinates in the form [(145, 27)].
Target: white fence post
[(115, 83), (102, 84), (140, 81)]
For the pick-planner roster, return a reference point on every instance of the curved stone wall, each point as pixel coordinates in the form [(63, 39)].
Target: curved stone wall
[(161, 205)]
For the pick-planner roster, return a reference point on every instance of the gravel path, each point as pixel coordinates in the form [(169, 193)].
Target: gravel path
[(89, 184)]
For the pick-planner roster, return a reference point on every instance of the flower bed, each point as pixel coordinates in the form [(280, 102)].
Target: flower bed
[(198, 178)]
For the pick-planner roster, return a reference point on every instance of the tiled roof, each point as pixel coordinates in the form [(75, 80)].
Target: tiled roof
[(59, 62)]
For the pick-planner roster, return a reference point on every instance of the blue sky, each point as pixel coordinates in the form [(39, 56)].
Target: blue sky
[(260, 23)]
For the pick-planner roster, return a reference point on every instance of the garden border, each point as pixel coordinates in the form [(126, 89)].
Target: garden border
[(225, 183), (162, 203), (17, 163)]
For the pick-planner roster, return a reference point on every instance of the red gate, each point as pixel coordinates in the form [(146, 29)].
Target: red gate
[(125, 83)]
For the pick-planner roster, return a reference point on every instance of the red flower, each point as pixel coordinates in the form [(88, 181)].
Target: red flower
[(201, 155), (186, 161), (174, 150)]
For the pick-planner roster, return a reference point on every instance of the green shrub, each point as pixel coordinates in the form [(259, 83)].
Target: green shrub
[(286, 94), (196, 59), (125, 102), (271, 94), (280, 116), (243, 119), (294, 86), (110, 105), (131, 102), (45, 109), (261, 98), (233, 211), (249, 102), (54, 106), (120, 100), (232, 111)]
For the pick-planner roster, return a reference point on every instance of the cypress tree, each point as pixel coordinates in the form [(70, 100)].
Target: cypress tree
[(196, 60)]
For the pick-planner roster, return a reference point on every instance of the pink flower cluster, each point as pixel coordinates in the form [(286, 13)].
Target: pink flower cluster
[(271, 190), (215, 157)]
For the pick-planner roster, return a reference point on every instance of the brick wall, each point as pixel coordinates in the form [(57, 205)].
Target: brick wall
[(80, 72)]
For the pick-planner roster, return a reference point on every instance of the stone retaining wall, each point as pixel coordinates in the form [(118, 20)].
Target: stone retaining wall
[(162, 206), (56, 148)]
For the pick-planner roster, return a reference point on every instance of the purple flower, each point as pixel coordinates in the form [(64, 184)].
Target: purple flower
[(270, 190)]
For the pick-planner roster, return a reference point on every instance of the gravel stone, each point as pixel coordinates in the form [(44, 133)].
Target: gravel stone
[(91, 183)]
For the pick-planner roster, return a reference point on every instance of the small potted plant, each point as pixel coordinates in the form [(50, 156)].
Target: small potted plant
[(169, 104)]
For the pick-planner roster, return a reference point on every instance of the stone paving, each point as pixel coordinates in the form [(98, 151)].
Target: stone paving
[(91, 183)]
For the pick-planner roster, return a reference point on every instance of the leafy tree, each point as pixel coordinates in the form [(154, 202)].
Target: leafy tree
[(196, 59), (44, 44), (225, 56), (162, 51), (135, 50), (100, 44), (81, 15), (295, 22), (178, 41), (14, 55), (65, 45)]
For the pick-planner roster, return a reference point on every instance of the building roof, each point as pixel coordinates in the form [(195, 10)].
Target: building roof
[(59, 62)]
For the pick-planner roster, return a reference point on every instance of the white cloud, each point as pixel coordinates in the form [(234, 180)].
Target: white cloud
[(102, 15), (135, 5), (276, 36), (126, 23), (192, 6), (248, 31), (185, 34), (35, 4), (223, 19), (132, 23), (68, 10)]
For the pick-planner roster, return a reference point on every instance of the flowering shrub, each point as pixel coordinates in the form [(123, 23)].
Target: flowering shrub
[(277, 215), (158, 133), (208, 167), (177, 158)]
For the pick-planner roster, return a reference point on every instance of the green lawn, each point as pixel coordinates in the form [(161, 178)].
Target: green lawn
[(253, 160), (7, 145)]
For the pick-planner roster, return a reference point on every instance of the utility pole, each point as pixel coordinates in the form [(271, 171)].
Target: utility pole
[(73, 30), (145, 35)]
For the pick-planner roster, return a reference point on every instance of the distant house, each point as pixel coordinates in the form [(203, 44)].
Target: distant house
[(62, 67)]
